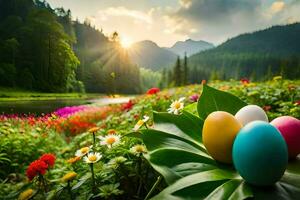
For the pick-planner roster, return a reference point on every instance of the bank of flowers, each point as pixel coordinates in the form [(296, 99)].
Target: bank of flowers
[(94, 155)]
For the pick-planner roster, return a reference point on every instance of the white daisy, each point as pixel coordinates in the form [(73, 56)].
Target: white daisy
[(81, 152), (176, 106), (110, 140), (141, 122), (138, 149), (92, 157)]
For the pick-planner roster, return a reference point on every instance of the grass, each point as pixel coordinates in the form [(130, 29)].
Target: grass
[(13, 94)]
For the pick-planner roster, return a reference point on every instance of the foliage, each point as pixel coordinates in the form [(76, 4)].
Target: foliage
[(43, 49), (259, 55), (123, 172), (149, 79), (176, 151)]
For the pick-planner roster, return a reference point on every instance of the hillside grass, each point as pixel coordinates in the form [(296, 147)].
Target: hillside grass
[(15, 94)]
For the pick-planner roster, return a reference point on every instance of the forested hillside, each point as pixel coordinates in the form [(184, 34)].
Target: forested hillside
[(41, 48), (258, 55), (149, 55)]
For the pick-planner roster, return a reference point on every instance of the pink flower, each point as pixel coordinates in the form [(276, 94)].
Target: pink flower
[(194, 98)]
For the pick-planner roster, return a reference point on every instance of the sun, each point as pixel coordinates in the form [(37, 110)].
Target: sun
[(126, 43)]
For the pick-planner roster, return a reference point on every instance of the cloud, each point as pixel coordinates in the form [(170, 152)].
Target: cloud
[(136, 15), (185, 3), (277, 6), (218, 20)]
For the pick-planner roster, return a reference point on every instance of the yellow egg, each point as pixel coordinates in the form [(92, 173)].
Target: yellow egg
[(218, 134)]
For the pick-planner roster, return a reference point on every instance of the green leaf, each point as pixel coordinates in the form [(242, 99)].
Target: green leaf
[(231, 190), (185, 125), (81, 181), (192, 108), (180, 164), (215, 100), (196, 185), (177, 153)]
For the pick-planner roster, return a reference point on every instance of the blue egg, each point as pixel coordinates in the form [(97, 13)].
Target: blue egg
[(260, 153)]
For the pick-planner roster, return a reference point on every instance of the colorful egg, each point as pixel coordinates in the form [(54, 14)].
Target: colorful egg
[(289, 127), (251, 113), (218, 134), (260, 153)]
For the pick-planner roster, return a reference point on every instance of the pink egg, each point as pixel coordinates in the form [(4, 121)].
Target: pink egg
[(289, 127)]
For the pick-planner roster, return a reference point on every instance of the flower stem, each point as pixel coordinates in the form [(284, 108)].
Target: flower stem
[(93, 177), (69, 190), (139, 172), (94, 138), (43, 182), (145, 125), (153, 187)]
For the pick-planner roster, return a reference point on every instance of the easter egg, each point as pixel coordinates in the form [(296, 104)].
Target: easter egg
[(260, 153), (251, 113), (218, 133), (289, 127)]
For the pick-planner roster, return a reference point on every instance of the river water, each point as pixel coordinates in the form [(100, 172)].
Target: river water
[(47, 106)]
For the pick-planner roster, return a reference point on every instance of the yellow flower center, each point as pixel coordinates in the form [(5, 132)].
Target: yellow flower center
[(139, 149), (92, 158), (140, 122), (84, 150), (110, 140), (177, 105)]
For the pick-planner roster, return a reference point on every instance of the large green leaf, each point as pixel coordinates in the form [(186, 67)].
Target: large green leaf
[(215, 100), (177, 153)]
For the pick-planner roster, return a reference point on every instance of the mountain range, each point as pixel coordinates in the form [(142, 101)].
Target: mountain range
[(258, 55), (190, 47), (149, 55)]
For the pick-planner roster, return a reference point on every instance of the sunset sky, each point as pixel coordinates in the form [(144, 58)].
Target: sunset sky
[(167, 21)]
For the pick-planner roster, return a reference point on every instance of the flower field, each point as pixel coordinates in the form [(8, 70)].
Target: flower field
[(92, 152)]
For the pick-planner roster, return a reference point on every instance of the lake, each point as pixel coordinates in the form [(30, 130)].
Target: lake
[(47, 106)]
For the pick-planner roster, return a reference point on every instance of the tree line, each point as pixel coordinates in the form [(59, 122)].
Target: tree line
[(43, 49), (258, 56)]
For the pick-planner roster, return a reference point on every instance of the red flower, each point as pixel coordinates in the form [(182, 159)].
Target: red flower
[(203, 82), (37, 167), (153, 91), (297, 103), (245, 81), (49, 159), (127, 106)]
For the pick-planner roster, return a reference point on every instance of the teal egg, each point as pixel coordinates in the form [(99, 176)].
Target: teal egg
[(260, 153)]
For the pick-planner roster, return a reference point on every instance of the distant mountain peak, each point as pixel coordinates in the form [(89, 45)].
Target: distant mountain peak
[(190, 47), (148, 54)]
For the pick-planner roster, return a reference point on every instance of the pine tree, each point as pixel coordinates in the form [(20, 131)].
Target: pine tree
[(163, 80), (185, 70), (170, 78), (178, 73)]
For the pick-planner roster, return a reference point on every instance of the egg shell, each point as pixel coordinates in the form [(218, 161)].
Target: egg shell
[(260, 153), (219, 131), (251, 113), (289, 127)]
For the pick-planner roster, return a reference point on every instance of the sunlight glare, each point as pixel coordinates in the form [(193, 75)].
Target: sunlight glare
[(126, 43)]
